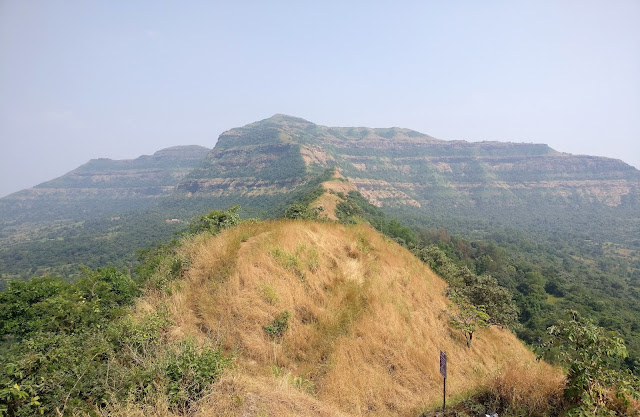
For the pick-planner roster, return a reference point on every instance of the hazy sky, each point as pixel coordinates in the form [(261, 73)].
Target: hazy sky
[(117, 79)]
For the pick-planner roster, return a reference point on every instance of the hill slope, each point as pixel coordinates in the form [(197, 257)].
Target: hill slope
[(580, 215), (575, 220), (365, 329)]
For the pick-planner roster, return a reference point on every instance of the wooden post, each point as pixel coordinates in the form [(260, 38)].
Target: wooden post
[(444, 394)]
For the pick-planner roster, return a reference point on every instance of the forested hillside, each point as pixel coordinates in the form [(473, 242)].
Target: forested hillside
[(96, 215)]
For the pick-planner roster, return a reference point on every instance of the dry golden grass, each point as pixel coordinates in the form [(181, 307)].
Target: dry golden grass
[(534, 388), (241, 395), (159, 408), (634, 407), (365, 331)]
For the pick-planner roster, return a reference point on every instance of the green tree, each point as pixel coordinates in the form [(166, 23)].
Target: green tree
[(466, 317), (532, 294), (50, 304), (592, 356), (484, 290), (497, 301)]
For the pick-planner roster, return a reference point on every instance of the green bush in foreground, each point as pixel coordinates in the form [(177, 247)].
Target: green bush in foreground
[(190, 371), (70, 349), (590, 354)]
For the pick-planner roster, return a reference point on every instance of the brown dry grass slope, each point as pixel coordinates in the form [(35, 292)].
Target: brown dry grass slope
[(365, 332)]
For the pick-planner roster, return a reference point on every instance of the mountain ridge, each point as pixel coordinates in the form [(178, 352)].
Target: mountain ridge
[(267, 164), (103, 186)]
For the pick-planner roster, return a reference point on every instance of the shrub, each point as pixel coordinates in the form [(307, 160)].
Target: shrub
[(77, 372), (300, 211), (190, 371), (278, 326), (289, 261), (269, 294), (49, 304), (216, 220)]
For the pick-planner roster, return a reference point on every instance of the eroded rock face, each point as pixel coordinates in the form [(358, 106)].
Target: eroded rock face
[(103, 186), (401, 167), (590, 179)]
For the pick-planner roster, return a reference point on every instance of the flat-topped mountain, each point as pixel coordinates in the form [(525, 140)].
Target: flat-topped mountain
[(399, 166), (103, 186), (161, 169), (262, 163), (410, 172)]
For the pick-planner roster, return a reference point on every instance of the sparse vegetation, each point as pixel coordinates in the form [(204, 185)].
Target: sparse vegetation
[(269, 293), (350, 334), (278, 326), (289, 261)]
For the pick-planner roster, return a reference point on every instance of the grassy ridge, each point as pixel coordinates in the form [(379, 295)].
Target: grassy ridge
[(365, 318)]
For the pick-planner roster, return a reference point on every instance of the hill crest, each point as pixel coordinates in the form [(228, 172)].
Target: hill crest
[(365, 328)]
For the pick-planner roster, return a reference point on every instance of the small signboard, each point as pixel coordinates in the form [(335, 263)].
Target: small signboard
[(443, 364)]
